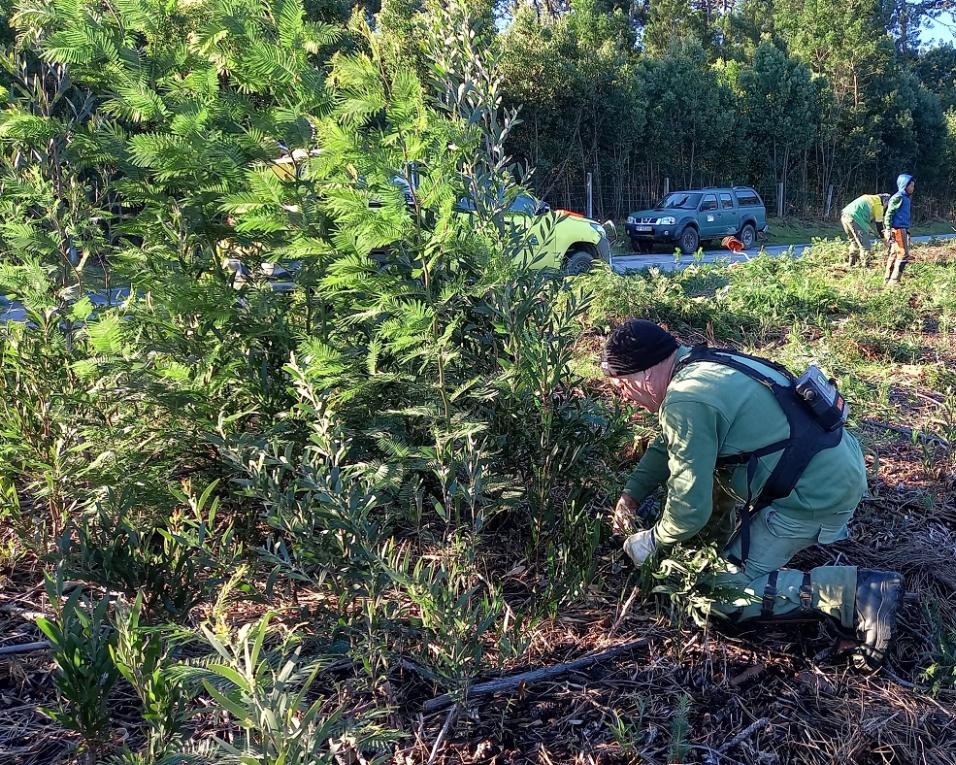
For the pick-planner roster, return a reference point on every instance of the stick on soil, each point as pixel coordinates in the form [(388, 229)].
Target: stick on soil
[(925, 437), (9, 650), (511, 682)]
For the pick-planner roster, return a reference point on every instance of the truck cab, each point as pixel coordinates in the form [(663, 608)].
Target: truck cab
[(689, 218)]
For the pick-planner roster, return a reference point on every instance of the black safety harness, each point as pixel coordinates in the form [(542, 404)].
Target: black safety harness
[(808, 437)]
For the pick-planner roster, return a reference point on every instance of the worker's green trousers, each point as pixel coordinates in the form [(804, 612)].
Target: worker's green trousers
[(860, 241), (761, 587)]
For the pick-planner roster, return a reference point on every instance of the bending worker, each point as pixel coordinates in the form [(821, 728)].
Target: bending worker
[(862, 221), (733, 423), (896, 225)]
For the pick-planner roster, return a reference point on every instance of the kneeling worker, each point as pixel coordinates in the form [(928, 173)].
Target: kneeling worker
[(862, 221), (739, 421)]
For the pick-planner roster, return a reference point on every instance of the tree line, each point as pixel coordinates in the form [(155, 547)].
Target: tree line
[(811, 101), (819, 100)]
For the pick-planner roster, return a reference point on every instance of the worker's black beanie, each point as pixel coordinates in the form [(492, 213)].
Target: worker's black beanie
[(635, 346)]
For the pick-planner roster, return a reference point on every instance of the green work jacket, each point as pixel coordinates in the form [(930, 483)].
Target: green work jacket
[(712, 411), (866, 211)]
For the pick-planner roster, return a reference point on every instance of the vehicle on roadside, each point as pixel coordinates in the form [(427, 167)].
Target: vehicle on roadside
[(559, 240), (689, 218)]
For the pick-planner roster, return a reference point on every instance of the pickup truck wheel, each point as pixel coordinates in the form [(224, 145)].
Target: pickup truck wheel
[(689, 241), (748, 236), (578, 262)]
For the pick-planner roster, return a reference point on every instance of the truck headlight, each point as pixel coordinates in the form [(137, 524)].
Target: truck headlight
[(600, 229), (631, 219), (667, 220)]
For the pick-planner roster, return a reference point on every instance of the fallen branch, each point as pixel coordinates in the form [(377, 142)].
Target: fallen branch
[(926, 438), (24, 613), (747, 674), (449, 721), (624, 610), (9, 650), (509, 682), (744, 734)]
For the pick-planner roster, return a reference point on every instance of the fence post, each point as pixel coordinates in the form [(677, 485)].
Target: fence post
[(590, 200), (780, 200), (667, 186), (826, 213)]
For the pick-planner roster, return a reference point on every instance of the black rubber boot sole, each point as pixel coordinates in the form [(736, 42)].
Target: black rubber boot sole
[(878, 638)]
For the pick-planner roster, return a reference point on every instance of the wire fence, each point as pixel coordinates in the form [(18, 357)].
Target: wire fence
[(616, 203)]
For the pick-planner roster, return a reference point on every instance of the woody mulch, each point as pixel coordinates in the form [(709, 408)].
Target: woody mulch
[(692, 695)]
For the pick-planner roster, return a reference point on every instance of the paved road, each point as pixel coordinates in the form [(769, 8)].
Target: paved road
[(11, 310), (667, 262)]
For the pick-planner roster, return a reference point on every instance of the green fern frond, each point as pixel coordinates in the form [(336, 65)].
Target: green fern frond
[(106, 334), (136, 102)]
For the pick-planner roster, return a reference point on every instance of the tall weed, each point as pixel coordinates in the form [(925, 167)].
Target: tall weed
[(82, 643), (270, 694)]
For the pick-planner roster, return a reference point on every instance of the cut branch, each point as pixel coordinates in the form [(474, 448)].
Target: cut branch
[(926, 438), (510, 682), (744, 734), (9, 650)]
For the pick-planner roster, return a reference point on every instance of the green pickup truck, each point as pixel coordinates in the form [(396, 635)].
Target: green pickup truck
[(559, 240), (688, 218)]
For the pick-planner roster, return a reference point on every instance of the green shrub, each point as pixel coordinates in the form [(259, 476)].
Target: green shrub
[(269, 692), (82, 644), (941, 672), (174, 562), (143, 656)]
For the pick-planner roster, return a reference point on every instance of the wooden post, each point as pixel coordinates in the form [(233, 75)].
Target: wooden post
[(826, 212), (590, 200), (780, 200), (667, 186)]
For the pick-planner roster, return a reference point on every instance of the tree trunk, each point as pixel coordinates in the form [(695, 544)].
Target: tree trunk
[(803, 181), (784, 172), (693, 151)]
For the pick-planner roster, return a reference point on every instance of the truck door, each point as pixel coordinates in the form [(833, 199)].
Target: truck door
[(729, 219), (708, 217), (542, 239)]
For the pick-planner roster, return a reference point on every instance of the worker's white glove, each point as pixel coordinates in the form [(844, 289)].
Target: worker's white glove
[(640, 546)]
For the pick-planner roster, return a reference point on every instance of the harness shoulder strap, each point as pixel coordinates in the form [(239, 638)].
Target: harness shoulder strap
[(731, 358), (807, 436)]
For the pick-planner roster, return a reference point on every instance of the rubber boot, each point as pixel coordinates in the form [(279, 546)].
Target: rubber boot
[(890, 261), (898, 270), (878, 596)]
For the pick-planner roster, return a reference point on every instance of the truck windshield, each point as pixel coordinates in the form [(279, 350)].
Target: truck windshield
[(679, 200)]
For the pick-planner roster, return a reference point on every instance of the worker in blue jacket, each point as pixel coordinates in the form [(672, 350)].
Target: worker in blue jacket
[(896, 228)]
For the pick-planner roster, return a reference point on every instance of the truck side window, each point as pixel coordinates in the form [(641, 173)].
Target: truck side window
[(524, 205), (726, 202), (709, 203)]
